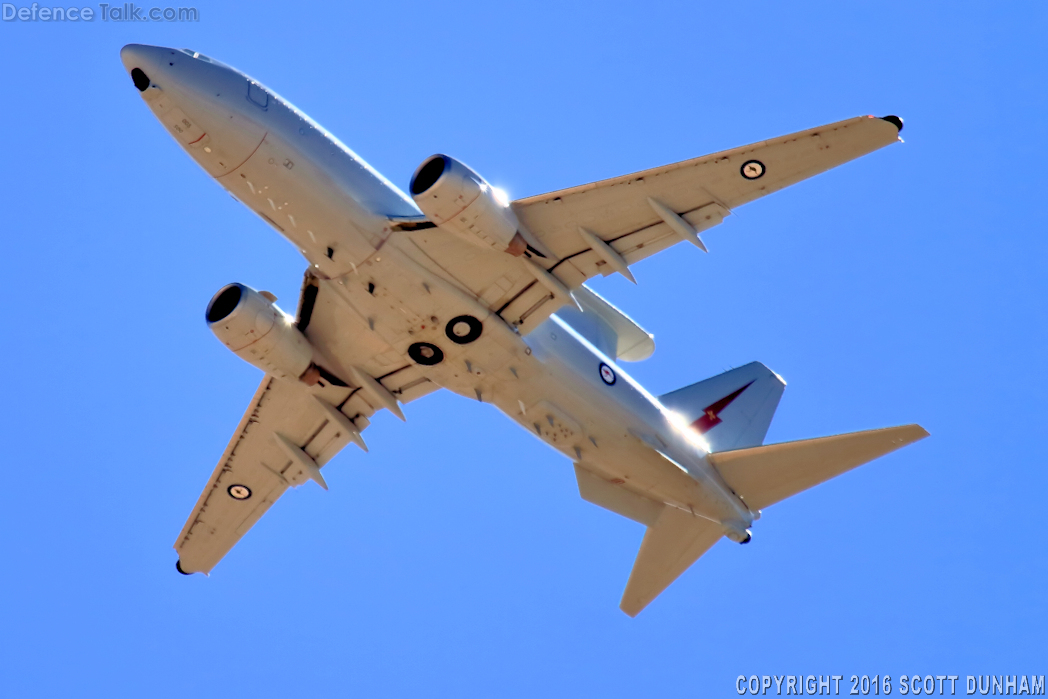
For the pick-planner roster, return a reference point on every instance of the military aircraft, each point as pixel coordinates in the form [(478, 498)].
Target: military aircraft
[(457, 287)]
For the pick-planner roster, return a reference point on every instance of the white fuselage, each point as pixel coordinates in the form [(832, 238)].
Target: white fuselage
[(343, 215)]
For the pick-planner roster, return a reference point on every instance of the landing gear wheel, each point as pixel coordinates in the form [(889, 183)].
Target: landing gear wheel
[(463, 330), (178, 567), (426, 354)]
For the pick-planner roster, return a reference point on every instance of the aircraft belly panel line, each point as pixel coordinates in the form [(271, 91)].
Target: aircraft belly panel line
[(250, 155)]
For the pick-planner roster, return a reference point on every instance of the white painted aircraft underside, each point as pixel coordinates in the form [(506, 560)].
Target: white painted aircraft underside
[(455, 287)]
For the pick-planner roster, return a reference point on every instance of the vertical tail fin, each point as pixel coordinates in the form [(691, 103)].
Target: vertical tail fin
[(732, 410)]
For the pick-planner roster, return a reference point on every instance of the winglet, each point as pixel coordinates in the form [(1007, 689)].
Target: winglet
[(894, 121)]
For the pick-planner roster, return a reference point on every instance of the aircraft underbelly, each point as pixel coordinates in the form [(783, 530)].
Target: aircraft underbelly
[(216, 137), (557, 396), (576, 401), (308, 206), (591, 425)]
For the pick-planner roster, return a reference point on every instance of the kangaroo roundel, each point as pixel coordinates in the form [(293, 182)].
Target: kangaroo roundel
[(752, 169), (239, 492)]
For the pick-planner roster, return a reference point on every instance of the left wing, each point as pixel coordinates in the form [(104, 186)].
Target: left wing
[(290, 430), (286, 435), (600, 228)]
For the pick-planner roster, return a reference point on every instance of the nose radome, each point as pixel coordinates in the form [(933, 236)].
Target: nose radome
[(142, 62), (135, 56)]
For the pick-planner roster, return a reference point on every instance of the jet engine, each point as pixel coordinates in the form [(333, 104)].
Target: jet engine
[(251, 325), (460, 201)]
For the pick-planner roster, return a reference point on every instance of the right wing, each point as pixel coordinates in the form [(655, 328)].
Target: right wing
[(599, 228), (702, 191), (290, 430)]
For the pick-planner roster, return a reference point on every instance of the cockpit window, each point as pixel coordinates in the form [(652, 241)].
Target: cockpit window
[(257, 94), (196, 54)]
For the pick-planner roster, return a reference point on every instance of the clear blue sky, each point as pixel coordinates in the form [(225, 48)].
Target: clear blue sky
[(456, 559)]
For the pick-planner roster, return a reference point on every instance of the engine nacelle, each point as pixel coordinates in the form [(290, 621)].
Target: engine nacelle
[(460, 201), (261, 334)]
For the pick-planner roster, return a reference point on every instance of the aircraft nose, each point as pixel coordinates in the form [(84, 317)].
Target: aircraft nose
[(142, 62)]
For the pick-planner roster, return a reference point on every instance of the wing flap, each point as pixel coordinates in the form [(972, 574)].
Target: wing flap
[(337, 327)]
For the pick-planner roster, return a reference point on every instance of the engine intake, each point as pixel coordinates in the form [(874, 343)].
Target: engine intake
[(261, 334), (461, 202)]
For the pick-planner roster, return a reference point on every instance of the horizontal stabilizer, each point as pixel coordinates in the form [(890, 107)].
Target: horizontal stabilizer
[(670, 546), (763, 476)]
